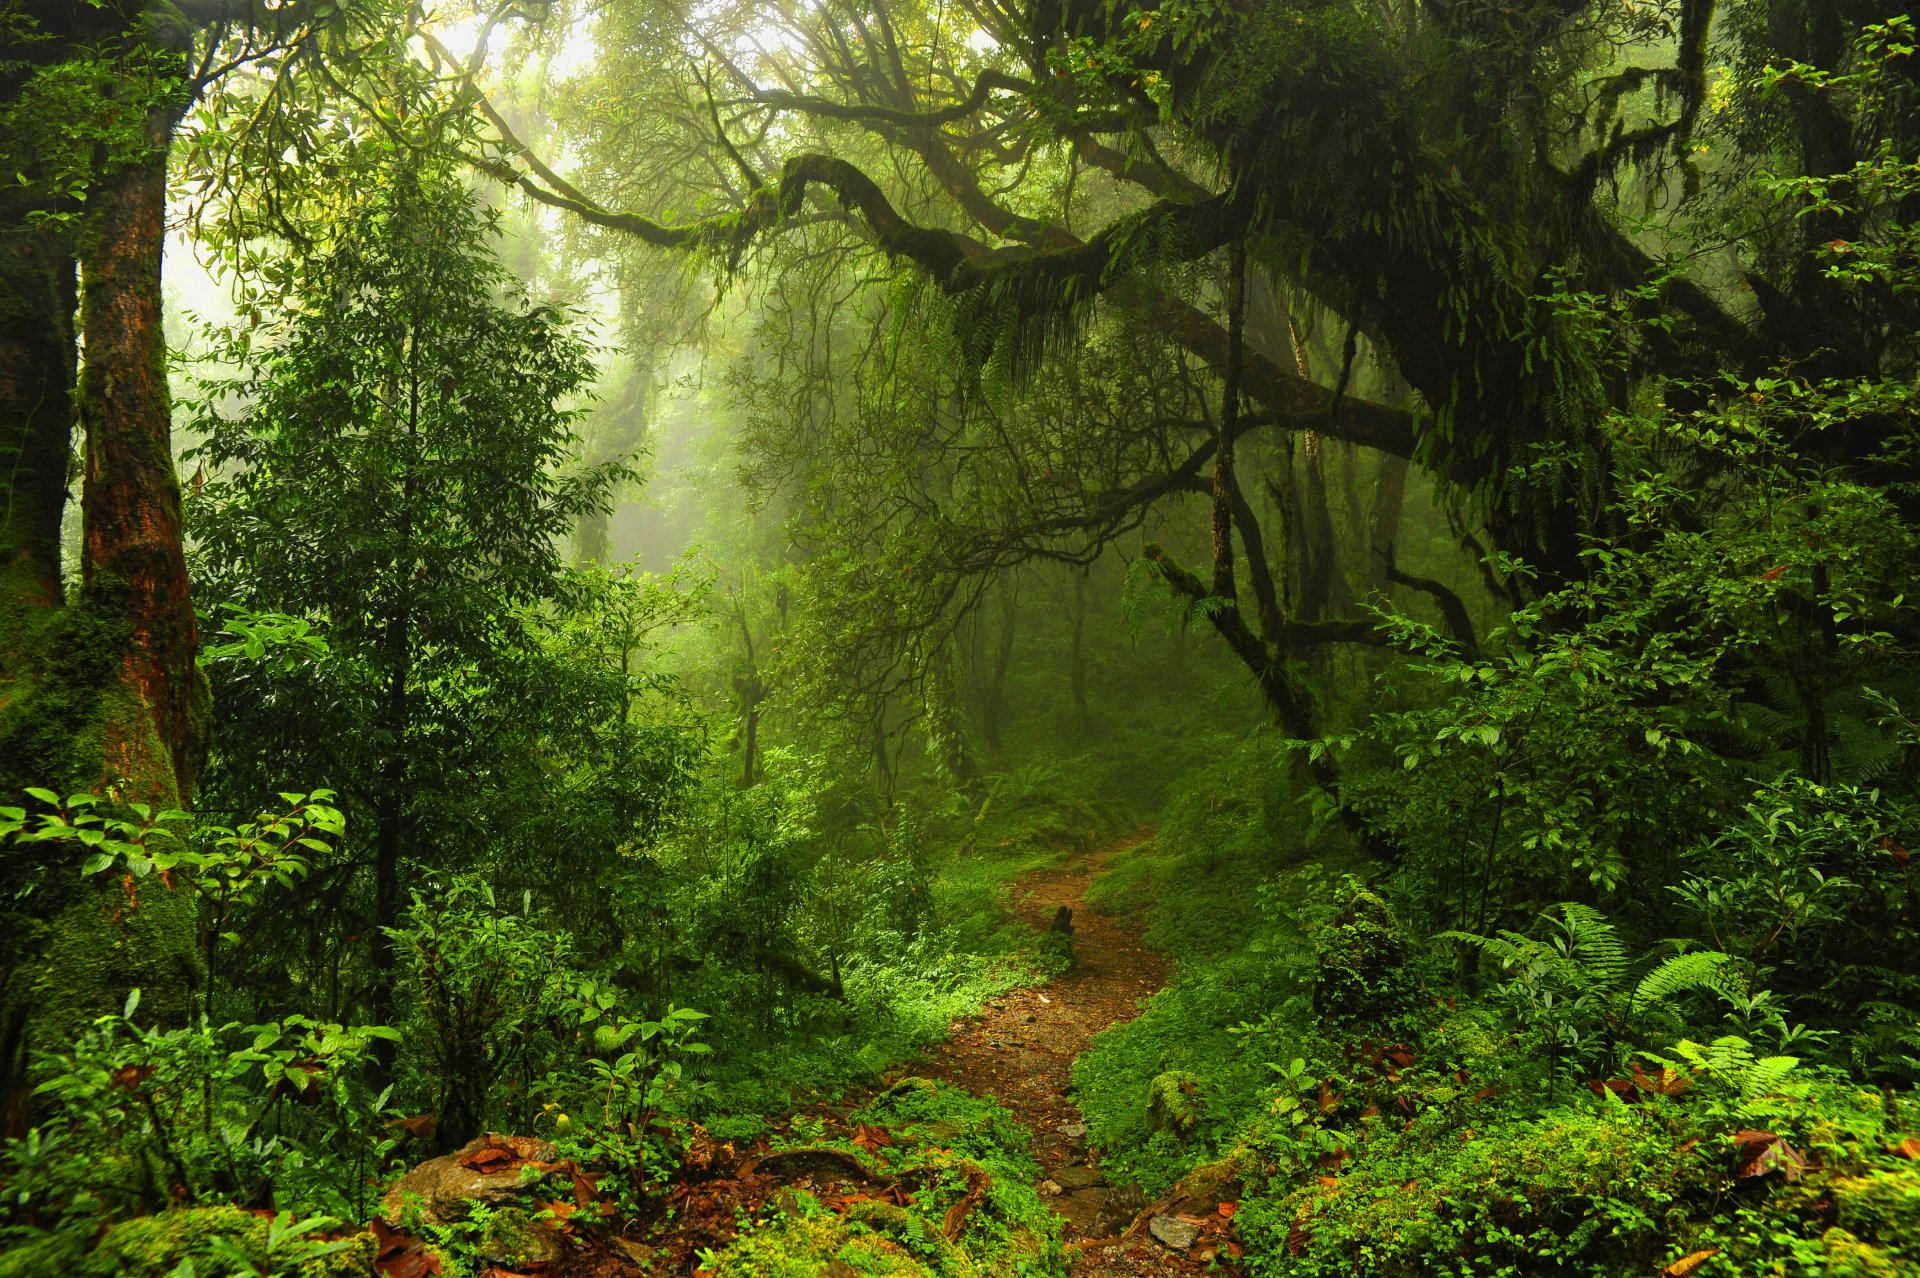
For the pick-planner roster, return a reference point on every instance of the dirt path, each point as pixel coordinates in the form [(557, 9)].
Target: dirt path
[(1020, 1052)]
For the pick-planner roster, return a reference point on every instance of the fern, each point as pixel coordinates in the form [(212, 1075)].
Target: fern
[(1593, 945), (1682, 974)]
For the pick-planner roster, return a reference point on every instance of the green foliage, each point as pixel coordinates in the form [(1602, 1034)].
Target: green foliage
[(215, 1242), (146, 1117), (1359, 960), (482, 983)]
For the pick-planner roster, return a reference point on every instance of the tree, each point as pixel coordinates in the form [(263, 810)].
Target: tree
[(396, 472), (1428, 176)]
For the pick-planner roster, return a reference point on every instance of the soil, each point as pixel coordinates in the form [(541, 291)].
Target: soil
[(1020, 1051)]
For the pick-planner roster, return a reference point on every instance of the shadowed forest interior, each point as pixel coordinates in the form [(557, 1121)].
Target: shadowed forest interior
[(902, 639)]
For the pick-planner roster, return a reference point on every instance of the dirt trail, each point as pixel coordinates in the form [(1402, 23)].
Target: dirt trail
[(1020, 1050)]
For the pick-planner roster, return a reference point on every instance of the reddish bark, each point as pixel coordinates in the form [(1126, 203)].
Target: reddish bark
[(131, 496)]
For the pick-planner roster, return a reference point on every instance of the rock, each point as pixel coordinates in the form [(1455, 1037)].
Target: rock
[(516, 1240), (446, 1190), (1079, 1176), (1174, 1233), (639, 1253), (1083, 1211), (1074, 1131), (1118, 1207)]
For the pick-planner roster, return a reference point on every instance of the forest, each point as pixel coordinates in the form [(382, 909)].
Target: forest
[(959, 638)]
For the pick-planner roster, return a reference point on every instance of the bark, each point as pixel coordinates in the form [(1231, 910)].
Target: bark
[(104, 694), (133, 551), (1079, 672), (1390, 502), (37, 298), (993, 708)]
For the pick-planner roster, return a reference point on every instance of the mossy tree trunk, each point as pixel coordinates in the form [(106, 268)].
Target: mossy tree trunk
[(100, 693), (130, 502)]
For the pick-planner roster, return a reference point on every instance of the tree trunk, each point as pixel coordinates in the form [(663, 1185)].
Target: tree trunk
[(37, 299), (133, 553), (993, 705), (1079, 675), (103, 695)]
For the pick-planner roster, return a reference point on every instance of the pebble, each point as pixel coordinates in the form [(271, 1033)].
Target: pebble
[(1073, 1131)]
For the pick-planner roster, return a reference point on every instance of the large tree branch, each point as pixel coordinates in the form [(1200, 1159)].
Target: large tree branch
[(984, 86), (960, 264)]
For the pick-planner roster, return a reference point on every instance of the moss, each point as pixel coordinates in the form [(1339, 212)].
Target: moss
[(1844, 1256), (1175, 1104), (513, 1238), (807, 1241), (69, 722), (43, 1256), (1883, 1205), (1572, 1192), (154, 1246)]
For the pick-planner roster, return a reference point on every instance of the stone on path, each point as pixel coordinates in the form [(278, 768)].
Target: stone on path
[(1078, 1176)]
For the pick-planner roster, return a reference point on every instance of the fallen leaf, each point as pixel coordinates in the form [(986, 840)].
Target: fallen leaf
[(1688, 1263), (1908, 1148), (1762, 1153), (870, 1137), (1227, 1210), (421, 1126), (399, 1255)]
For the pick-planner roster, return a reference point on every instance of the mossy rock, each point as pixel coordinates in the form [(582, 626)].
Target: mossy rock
[(43, 1256), (810, 1243), (154, 1246), (1175, 1103), (1845, 1256)]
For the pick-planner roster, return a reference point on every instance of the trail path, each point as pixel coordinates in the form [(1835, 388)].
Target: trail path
[(1020, 1050)]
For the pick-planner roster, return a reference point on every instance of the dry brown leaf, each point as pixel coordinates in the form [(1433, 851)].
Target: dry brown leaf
[(1688, 1263)]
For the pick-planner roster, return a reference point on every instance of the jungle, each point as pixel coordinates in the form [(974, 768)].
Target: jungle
[(959, 638)]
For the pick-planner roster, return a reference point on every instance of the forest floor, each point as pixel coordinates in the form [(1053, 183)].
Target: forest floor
[(1017, 1051), (1020, 1051)]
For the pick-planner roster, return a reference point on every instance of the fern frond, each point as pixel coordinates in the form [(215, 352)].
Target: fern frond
[(1684, 973), (1594, 945), (1768, 1073)]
